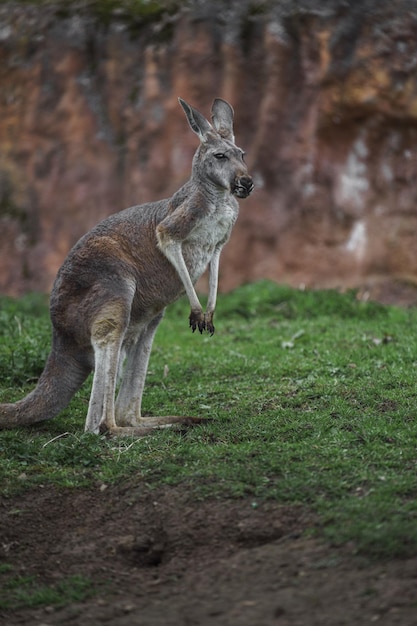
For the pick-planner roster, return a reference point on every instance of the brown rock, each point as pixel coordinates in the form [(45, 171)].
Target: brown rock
[(326, 109)]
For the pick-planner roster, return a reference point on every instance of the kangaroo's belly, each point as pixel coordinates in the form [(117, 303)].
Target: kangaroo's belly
[(210, 234), (197, 260), (197, 255)]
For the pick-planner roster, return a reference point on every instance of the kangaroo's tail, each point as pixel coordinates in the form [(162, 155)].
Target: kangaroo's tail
[(63, 375)]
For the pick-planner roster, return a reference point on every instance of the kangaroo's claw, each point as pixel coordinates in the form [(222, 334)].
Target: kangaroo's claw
[(201, 326)]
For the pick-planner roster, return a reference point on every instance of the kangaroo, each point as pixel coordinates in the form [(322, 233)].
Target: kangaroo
[(112, 290)]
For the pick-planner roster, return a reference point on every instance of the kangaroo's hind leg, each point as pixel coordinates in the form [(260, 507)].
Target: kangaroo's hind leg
[(107, 334), (129, 398), (129, 420)]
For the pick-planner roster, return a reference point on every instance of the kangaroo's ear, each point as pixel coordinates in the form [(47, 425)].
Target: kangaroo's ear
[(198, 122), (222, 116)]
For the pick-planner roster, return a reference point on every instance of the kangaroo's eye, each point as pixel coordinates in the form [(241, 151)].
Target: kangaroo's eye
[(220, 155)]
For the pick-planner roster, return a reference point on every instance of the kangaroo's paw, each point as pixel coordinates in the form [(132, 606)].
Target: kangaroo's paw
[(197, 320), (148, 425), (202, 321), (208, 318)]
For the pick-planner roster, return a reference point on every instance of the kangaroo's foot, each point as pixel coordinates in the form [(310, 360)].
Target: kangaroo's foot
[(148, 425)]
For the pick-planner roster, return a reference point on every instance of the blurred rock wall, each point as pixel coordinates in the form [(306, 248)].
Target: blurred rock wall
[(325, 98)]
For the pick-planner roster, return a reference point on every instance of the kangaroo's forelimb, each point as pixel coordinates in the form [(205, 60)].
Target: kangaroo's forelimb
[(170, 234)]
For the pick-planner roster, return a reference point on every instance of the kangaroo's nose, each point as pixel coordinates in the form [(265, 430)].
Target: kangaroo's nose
[(243, 186)]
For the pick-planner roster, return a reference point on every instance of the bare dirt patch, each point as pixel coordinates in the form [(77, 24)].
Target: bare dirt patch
[(163, 558)]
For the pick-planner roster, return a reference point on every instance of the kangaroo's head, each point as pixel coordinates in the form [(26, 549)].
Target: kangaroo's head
[(218, 160)]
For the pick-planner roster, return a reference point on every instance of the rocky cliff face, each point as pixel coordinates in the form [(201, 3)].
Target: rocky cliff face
[(325, 97)]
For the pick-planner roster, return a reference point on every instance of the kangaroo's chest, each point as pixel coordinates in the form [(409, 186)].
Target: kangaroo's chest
[(214, 227)]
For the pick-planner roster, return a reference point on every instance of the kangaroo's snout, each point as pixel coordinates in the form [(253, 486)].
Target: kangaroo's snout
[(242, 186)]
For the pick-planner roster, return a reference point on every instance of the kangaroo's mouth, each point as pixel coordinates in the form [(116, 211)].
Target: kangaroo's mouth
[(242, 187)]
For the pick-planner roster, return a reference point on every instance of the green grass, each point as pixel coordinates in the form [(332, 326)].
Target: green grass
[(312, 396), (24, 591)]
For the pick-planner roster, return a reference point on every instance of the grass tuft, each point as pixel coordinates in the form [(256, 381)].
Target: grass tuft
[(24, 591)]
